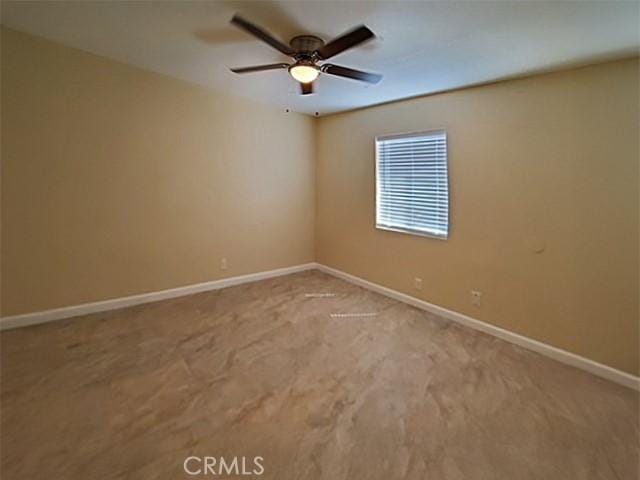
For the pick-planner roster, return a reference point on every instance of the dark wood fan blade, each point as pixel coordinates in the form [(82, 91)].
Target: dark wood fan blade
[(351, 73), (346, 41), (258, 32), (306, 88), (260, 68)]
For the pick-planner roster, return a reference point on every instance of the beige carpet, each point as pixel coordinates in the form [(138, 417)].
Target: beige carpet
[(264, 370)]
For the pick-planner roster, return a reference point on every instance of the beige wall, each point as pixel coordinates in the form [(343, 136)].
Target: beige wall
[(551, 161), (117, 181)]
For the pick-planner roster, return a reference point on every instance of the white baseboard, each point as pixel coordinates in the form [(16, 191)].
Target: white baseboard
[(27, 319), (558, 354)]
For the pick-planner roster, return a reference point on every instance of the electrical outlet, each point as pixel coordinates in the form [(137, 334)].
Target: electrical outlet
[(417, 283), (476, 297), (223, 263)]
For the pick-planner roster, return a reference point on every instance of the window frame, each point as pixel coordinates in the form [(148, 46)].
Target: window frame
[(409, 231)]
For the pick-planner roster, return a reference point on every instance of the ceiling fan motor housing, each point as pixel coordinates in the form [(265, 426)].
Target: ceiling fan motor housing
[(306, 44)]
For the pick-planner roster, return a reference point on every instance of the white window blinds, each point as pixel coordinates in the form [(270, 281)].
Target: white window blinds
[(412, 189)]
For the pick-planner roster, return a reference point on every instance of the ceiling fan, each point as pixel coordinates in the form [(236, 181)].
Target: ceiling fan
[(308, 51)]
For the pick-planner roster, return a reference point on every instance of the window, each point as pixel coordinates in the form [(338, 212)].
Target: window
[(412, 189)]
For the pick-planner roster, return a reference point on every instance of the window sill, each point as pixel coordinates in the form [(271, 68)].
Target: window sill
[(417, 233)]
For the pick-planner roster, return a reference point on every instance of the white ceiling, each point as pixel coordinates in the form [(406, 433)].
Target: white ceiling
[(422, 47)]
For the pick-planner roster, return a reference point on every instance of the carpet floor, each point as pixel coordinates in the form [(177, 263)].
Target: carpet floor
[(350, 385)]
